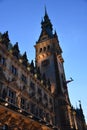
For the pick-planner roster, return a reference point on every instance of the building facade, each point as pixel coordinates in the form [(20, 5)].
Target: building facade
[(35, 96)]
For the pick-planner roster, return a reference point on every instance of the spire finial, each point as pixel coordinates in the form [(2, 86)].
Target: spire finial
[(80, 104), (45, 10)]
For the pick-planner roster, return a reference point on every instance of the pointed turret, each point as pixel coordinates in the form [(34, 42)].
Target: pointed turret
[(46, 26), (79, 112), (80, 106), (46, 23), (15, 50)]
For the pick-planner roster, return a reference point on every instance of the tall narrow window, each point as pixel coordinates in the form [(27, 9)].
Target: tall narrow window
[(48, 47), (44, 48), (39, 91), (41, 113), (2, 60), (23, 103), (40, 50), (23, 78), (32, 108), (12, 96), (32, 85), (14, 70), (1, 85)]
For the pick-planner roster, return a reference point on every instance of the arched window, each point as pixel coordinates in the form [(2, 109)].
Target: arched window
[(40, 49), (48, 47), (44, 48)]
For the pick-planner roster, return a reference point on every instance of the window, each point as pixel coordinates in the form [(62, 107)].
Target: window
[(40, 100), (44, 48), (4, 93), (12, 96), (2, 60), (45, 100), (39, 91), (45, 97), (47, 117), (28, 106), (32, 108), (40, 113), (23, 103), (50, 101), (45, 63), (48, 47), (23, 78), (1, 85), (40, 49), (32, 90), (44, 38), (37, 111), (32, 85), (13, 70)]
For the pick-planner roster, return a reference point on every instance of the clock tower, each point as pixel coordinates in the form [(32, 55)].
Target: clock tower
[(49, 55), (50, 62)]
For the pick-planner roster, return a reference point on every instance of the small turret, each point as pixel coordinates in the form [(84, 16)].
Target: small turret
[(15, 50), (46, 24), (5, 39), (79, 112), (47, 30), (80, 106)]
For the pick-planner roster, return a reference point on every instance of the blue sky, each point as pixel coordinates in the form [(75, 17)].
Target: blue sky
[(22, 19)]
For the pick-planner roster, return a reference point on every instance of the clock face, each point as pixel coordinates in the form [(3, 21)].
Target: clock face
[(45, 63)]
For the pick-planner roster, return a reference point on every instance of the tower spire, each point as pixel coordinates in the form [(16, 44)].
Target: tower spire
[(45, 10), (46, 17), (80, 104)]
